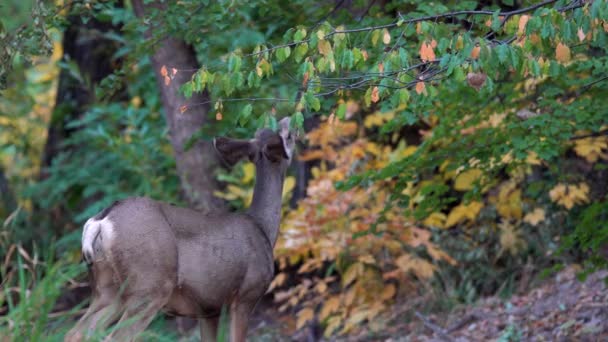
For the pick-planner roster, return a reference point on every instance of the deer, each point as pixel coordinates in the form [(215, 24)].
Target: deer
[(145, 256)]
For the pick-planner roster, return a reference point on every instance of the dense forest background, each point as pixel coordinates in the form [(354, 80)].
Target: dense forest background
[(450, 151)]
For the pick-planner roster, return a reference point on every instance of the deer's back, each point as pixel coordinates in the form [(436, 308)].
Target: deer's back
[(207, 259)]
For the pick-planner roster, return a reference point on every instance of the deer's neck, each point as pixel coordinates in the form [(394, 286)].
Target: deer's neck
[(266, 203)]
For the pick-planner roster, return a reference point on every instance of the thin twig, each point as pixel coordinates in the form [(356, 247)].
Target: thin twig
[(442, 333)]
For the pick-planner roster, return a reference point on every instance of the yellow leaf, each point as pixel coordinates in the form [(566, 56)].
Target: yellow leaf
[(509, 204), (465, 180), (305, 315), (562, 53), (386, 37), (248, 172), (535, 217), (352, 273), (332, 325), (329, 306), (511, 238), (288, 185), (277, 281), (557, 192), (388, 292), (324, 47), (463, 212), (354, 319), (436, 219), (367, 259), (533, 159), (591, 148)]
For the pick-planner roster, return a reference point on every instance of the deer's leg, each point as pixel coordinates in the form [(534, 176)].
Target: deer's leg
[(100, 314), (137, 315), (209, 328), (239, 319), (102, 310)]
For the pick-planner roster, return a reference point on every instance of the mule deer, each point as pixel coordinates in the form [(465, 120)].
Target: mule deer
[(145, 255)]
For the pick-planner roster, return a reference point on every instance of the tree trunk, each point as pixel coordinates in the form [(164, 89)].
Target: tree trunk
[(85, 45), (194, 165), (7, 198)]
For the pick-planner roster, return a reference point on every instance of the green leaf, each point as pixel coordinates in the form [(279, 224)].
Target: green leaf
[(300, 52), (404, 96), (312, 101), (341, 111), (234, 63), (502, 51), (283, 53), (299, 35), (298, 119), (376, 36), (245, 114)]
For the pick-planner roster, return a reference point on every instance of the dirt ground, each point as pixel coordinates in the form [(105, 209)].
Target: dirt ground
[(562, 308)]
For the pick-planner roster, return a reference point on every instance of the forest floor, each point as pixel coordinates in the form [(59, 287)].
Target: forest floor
[(561, 308)]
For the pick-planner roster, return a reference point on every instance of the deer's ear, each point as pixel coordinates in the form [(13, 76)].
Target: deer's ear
[(233, 150), (287, 137), (276, 149)]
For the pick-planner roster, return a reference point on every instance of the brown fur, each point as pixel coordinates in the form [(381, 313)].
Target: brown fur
[(157, 256)]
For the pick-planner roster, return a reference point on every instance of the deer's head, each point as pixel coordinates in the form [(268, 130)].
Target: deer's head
[(274, 147)]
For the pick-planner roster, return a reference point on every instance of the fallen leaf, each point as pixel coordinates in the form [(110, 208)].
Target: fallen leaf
[(304, 316), (535, 217)]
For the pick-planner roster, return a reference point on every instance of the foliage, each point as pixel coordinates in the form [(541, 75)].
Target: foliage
[(459, 143)]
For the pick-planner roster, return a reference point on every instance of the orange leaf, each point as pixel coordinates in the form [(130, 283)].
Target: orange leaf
[(305, 80), (304, 316), (381, 67), (183, 108), (167, 80), (218, 116), (426, 52), (523, 20), (375, 95), (420, 87), (388, 292), (475, 52), (418, 28), (163, 71), (562, 53)]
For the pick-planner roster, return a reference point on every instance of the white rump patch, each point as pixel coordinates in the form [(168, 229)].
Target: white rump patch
[(95, 235)]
